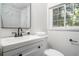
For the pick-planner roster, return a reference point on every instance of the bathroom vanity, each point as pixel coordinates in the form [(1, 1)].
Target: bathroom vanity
[(29, 45)]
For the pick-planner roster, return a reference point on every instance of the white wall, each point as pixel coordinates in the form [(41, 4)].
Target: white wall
[(39, 17), (38, 20), (0, 15), (59, 40)]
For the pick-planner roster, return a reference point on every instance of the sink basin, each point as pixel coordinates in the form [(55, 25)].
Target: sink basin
[(15, 40)]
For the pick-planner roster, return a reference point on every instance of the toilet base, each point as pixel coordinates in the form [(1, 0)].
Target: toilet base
[(52, 52)]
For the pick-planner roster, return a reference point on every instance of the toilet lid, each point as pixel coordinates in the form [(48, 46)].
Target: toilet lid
[(52, 52)]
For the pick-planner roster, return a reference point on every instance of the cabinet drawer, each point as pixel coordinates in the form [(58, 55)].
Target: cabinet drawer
[(25, 49)]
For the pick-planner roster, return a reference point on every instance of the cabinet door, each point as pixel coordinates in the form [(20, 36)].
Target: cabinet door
[(73, 47), (33, 49)]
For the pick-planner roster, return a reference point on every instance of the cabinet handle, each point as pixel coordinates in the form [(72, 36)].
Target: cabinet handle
[(39, 47), (72, 40), (20, 54)]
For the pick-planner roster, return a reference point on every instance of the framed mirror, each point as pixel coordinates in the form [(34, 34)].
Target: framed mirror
[(14, 15)]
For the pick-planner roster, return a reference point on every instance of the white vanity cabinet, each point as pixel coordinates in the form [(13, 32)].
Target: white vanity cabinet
[(32, 48)]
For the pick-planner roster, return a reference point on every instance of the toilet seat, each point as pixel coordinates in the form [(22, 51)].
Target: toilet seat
[(52, 52)]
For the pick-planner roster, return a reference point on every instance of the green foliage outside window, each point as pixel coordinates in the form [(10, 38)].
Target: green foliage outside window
[(72, 15)]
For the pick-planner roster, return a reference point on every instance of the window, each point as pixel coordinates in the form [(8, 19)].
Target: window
[(69, 14), (72, 14), (65, 15), (58, 18)]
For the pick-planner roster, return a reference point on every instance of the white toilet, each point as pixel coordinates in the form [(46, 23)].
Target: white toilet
[(52, 52), (49, 52)]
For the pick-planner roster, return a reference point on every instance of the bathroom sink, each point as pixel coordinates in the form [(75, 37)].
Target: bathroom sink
[(15, 40)]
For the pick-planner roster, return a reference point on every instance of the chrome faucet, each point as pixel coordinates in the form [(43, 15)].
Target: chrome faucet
[(18, 33)]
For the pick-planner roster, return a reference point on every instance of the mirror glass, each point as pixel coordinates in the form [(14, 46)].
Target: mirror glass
[(14, 15)]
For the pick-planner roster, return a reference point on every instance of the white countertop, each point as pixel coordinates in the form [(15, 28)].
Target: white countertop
[(15, 40)]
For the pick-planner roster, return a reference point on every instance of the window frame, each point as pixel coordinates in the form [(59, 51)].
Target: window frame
[(65, 27)]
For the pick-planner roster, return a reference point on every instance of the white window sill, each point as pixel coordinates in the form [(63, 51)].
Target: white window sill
[(73, 28)]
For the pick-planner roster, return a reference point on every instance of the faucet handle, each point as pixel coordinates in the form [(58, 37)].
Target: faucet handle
[(15, 34)]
